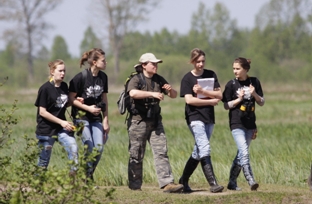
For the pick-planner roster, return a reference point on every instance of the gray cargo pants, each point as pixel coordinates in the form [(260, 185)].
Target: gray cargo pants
[(139, 132)]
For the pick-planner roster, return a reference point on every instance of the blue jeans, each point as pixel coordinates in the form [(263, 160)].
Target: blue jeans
[(242, 138), (202, 133), (92, 136), (46, 143)]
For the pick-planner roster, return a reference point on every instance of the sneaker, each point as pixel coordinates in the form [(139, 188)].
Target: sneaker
[(173, 188)]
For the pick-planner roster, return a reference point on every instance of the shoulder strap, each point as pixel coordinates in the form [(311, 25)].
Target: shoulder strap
[(84, 76), (83, 82), (142, 82), (159, 81)]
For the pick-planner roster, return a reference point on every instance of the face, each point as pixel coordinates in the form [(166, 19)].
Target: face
[(199, 63), (239, 72), (59, 72), (151, 67), (100, 63)]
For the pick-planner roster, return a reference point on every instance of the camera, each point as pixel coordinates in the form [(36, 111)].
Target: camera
[(246, 109), (150, 111), (101, 105)]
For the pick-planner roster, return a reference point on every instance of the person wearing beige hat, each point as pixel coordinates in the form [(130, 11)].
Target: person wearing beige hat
[(145, 124)]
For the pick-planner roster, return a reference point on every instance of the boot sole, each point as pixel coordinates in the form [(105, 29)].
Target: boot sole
[(175, 190)]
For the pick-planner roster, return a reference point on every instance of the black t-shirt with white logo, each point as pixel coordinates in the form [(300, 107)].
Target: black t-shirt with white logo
[(54, 99), (91, 90), (230, 93), (194, 113)]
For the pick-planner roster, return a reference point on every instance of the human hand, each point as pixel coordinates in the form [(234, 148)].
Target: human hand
[(80, 99), (94, 110), (158, 95), (252, 89), (167, 87), (67, 125), (254, 135), (241, 94), (197, 89), (214, 101)]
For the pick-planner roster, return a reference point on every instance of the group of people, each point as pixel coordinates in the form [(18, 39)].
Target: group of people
[(144, 124), (87, 93)]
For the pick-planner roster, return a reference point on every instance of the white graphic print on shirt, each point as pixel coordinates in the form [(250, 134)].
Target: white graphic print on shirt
[(246, 89), (61, 101), (94, 91)]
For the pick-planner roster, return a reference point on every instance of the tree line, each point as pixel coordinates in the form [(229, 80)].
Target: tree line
[(279, 44)]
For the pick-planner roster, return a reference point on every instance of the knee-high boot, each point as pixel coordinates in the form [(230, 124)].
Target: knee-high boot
[(209, 174), (310, 179), (189, 168), (249, 177), (234, 172)]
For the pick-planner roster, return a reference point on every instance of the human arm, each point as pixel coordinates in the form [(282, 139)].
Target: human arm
[(105, 115), (47, 115), (233, 103), (259, 99), (194, 101), (76, 101), (216, 93), (140, 94), (172, 93)]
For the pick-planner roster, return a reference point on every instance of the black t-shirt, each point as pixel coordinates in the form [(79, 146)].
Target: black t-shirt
[(151, 84), (236, 118), (201, 113), (54, 99), (91, 90)]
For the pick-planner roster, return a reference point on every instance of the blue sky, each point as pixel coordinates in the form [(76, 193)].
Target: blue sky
[(72, 17)]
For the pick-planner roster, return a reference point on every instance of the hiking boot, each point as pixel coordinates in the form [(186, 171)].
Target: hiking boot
[(209, 174), (173, 188)]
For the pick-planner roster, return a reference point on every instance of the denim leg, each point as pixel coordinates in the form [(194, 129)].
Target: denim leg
[(98, 142), (70, 145), (242, 139), (92, 136), (202, 133), (45, 143)]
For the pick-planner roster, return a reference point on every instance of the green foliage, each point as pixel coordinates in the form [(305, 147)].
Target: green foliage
[(7, 121), (89, 41), (22, 181), (279, 46), (59, 49)]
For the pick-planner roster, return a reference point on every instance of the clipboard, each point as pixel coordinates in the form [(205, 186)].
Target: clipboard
[(206, 84)]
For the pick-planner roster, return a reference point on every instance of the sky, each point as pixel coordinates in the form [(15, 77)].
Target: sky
[(71, 18)]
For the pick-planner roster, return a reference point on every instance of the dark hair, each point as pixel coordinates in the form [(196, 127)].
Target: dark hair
[(244, 63), (195, 54), (91, 55)]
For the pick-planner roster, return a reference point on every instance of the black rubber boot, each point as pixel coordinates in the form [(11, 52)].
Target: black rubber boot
[(208, 171), (249, 177), (310, 179), (234, 172), (189, 168)]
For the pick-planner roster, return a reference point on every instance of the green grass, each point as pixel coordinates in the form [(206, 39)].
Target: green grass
[(280, 156)]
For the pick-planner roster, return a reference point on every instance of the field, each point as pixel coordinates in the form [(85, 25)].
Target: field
[(280, 156)]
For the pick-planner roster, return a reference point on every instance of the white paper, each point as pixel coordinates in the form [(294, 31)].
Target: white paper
[(206, 84)]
